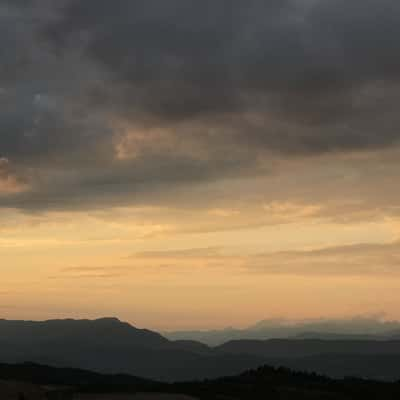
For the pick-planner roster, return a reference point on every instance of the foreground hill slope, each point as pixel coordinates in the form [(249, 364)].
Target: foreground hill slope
[(37, 382), (336, 358)]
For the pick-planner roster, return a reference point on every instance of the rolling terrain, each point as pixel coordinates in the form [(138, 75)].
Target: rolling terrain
[(361, 328), (262, 383), (110, 346)]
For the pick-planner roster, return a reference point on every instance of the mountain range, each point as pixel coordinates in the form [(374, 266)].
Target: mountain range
[(110, 346), (114, 347), (356, 328)]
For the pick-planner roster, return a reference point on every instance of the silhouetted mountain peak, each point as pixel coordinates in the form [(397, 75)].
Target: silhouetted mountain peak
[(99, 332)]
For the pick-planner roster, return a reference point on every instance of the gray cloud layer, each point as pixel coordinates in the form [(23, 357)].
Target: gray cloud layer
[(222, 83)]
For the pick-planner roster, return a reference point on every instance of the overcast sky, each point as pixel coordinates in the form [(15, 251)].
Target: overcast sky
[(190, 163)]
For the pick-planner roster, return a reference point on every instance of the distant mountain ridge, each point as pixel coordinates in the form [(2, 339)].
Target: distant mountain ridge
[(361, 327), (110, 346), (296, 348)]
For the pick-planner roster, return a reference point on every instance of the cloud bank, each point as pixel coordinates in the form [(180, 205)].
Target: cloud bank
[(105, 103)]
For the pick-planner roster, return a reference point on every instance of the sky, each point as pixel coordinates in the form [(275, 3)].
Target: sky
[(199, 164)]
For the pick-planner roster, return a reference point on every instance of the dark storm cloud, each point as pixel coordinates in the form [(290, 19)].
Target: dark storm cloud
[(186, 58), (233, 80), (38, 118)]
